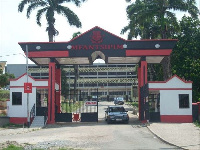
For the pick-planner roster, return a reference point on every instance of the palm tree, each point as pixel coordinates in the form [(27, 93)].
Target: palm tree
[(49, 8), (156, 16)]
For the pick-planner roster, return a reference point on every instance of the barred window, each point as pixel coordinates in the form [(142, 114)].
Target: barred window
[(16, 98), (183, 100)]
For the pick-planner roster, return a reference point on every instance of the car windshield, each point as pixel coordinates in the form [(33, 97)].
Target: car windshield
[(119, 98), (116, 109)]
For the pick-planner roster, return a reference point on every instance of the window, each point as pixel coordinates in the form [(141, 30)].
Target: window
[(183, 100), (16, 98)]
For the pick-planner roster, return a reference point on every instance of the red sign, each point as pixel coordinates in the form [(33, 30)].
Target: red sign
[(90, 103), (97, 47), (27, 87), (97, 37)]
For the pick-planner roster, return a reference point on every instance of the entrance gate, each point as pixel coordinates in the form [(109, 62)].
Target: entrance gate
[(85, 109), (93, 44)]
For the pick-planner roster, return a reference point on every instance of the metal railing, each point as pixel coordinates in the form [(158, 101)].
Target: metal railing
[(32, 112), (45, 117)]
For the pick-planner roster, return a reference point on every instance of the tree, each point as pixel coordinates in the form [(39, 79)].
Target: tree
[(49, 8), (64, 85), (4, 79), (75, 71), (186, 54), (155, 19), (1, 71)]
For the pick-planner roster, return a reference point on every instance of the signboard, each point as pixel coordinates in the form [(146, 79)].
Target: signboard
[(91, 103), (27, 87)]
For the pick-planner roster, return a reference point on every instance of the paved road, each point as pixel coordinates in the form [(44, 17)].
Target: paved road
[(89, 135)]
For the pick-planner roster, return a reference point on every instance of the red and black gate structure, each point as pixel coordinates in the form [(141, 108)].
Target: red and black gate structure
[(98, 43)]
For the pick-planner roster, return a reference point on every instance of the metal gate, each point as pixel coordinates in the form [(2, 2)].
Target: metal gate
[(79, 108), (144, 103)]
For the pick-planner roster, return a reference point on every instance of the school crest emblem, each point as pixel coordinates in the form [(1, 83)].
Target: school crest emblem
[(97, 37)]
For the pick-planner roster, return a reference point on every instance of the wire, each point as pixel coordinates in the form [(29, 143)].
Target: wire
[(12, 55)]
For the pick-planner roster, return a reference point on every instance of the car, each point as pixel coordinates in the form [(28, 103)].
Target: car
[(116, 114), (119, 100)]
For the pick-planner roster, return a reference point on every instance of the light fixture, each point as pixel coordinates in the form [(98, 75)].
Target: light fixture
[(124, 46), (38, 47), (69, 47), (157, 46)]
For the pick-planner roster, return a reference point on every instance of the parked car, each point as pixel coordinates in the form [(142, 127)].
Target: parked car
[(115, 114), (119, 100)]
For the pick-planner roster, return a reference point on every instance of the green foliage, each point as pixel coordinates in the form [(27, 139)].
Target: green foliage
[(156, 19), (13, 147), (76, 34), (134, 104), (70, 106), (12, 125), (64, 84), (49, 8), (197, 123), (186, 55), (151, 19), (4, 79), (4, 95)]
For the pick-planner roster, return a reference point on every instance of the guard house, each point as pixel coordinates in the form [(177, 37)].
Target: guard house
[(17, 105), (171, 100)]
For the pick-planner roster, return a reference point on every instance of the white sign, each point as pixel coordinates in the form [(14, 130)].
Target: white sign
[(90, 103)]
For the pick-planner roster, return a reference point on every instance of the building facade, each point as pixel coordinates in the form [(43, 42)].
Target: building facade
[(110, 80)]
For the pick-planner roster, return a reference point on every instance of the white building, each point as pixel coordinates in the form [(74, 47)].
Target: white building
[(174, 102), (17, 105)]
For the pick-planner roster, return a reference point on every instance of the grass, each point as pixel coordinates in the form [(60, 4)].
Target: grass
[(12, 125), (134, 104), (70, 107), (13, 147), (197, 123)]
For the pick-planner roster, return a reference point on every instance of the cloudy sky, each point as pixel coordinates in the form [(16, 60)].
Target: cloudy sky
[(15, 27)]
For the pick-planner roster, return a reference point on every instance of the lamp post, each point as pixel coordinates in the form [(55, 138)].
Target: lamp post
[(28, 117)]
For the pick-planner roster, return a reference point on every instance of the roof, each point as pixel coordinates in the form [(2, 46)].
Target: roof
[(98, 43)]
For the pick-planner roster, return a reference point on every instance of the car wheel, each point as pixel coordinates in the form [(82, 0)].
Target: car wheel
[(108, 121)]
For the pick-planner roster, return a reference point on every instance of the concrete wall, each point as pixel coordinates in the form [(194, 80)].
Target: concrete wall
[(169, 102), (21, 110), (4, 121)]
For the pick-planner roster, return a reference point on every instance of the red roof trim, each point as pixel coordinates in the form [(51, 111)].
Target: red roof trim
[(153, 40), (158, 89), (39, 87), (41, 54), (151, 52), (170, 79), (29, 76)]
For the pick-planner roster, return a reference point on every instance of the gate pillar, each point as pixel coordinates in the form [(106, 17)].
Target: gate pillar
[(58, 92), (143, 90), (51, 93)]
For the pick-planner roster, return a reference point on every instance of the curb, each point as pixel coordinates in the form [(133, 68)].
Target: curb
[(165, 140)]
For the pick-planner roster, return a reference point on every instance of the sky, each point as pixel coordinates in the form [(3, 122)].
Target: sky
[(15, 27)]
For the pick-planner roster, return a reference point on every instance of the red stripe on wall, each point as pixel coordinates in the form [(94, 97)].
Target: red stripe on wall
[(176, 118), (166, 52), (157, 89), (17, 120), (49, 54), (41, 87)]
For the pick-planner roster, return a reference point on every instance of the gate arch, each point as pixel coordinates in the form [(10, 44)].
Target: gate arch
[(93, 44)]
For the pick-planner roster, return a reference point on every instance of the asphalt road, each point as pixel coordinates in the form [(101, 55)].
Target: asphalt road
[(98, 135)]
